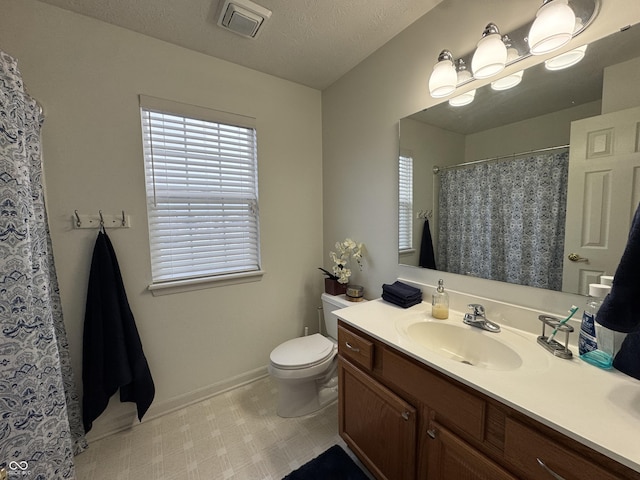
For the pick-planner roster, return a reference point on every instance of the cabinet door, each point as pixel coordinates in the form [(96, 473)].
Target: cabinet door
[(377, 425), (449, 457)]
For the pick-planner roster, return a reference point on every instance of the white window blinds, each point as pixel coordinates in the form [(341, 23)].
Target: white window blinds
[(405, 216), (202, 191)]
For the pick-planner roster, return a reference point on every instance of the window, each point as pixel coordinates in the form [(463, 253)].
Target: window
[(202, 192), (405, 216)]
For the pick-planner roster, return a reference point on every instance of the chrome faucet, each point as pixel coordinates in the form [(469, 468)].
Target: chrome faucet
[(479, 320)]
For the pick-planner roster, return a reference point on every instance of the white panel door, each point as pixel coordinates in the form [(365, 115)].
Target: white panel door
[(603, 194)]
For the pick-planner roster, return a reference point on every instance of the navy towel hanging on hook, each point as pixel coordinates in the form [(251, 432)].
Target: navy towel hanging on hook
[(112, 356)]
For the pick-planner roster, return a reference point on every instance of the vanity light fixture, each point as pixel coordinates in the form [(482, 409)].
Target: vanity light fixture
[(490, 56), (555, 24), (444, 78), (514, 79), (463, 76), (553, 27)]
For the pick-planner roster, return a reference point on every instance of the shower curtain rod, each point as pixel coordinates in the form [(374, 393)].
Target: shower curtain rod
[(437, 170)]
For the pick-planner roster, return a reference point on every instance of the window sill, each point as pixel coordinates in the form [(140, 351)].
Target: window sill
[(408, 251), (181, 286)]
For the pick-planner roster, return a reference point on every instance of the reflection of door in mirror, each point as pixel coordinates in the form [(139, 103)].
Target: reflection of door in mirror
[(604, 174)]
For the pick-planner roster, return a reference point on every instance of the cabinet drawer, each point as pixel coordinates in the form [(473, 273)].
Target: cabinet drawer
[(454, 406), (526, 448), (356, 348)]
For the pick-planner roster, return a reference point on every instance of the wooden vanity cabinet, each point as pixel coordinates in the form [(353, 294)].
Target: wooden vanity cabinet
[(405, 420), (449, 457)]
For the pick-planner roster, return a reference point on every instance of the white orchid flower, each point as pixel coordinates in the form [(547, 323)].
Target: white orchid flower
[(345, 250)]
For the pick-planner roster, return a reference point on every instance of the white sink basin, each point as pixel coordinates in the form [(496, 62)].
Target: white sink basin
[(464, 344)]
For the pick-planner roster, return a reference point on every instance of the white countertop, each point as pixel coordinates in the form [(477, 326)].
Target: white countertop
[(599, 408)]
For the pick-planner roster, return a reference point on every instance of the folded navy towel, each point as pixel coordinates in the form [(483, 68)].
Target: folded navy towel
[(619, 311), (401, 294), (628, 358), (402, 291), (391, 297), (399, 302)]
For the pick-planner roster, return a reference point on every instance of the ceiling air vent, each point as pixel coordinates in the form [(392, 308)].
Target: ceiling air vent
[(243, 17)]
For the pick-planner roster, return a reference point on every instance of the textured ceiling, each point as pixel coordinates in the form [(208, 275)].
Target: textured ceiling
[(312, 42)]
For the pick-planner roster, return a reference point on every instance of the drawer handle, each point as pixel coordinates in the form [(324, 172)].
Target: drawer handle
[(405, 415), (352, 348), (551, 472), (432, 432)]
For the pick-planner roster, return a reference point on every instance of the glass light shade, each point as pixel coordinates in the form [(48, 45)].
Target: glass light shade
[(512, 80), (443, 79), (464, 98), (567, 59), (553, 27), (490, 56)]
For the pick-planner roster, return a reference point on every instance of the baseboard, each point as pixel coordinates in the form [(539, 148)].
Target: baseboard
[(118, 423)]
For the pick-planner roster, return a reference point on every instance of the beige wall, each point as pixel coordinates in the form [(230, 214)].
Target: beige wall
[(87, 74), (360, 143), (539, 132), (620, 86)]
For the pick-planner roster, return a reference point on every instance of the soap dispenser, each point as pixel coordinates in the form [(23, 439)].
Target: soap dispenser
[(440, 302)]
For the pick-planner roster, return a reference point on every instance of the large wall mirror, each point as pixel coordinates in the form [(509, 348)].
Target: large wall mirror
[(535, 185)]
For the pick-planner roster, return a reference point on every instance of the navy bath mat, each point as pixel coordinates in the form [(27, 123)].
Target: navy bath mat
[(333, 464)]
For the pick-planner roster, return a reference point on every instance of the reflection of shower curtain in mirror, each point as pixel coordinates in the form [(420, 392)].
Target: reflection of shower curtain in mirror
[(505, 220)]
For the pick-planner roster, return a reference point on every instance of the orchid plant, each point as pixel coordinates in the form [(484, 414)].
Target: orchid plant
[(344, 251)]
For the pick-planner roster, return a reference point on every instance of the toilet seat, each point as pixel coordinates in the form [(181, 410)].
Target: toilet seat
[(302, 352)]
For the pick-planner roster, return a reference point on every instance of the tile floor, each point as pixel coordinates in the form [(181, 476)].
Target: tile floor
[(234, 435)]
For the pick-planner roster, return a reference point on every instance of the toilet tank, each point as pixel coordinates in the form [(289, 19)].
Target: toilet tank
[(330, 303)]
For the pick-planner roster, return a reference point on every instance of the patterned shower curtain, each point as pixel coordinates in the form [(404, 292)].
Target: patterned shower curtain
[(40, 422), (505, 220)]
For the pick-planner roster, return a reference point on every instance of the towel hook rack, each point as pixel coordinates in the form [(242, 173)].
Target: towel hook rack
[(425, 214), (101, 220)]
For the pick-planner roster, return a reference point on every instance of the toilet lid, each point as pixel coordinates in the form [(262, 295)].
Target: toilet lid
[(302, 352)]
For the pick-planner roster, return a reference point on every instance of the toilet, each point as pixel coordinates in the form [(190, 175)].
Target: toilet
[(306, 368)]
